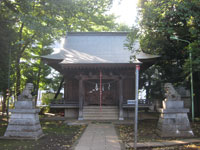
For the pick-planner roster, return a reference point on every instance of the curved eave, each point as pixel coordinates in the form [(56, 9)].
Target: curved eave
[(151, 60), (148, 62), (49, 60), (54, 63), (145, 57)]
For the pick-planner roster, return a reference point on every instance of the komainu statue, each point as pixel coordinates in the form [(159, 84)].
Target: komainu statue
[(26, 93), (170, 92), (24, 121), (173, 120)]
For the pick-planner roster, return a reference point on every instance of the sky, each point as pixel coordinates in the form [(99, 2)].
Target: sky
[(126, 10)]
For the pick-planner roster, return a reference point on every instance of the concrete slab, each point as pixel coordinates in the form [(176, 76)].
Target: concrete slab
[(99, 137)]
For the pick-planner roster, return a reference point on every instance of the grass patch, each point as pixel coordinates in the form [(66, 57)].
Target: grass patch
[(58, 136), (147, 133), (3, 125)]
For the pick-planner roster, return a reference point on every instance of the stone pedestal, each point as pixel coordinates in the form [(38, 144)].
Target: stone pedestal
[(24, 121), (173, 121)]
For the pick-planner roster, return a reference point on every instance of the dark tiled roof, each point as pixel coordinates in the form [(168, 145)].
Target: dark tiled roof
[(73, 56), (97, 47), (105, 45)]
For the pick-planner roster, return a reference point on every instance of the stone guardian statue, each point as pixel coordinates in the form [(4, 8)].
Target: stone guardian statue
[(26, 93), (24, 120), (173, 120), (170, 92)]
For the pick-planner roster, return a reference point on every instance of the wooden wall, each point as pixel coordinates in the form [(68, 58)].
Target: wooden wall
[(128, 89), (71, 90), (109, 97)]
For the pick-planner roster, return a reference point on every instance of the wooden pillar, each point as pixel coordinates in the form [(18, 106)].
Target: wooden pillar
[(81, 98), (65, 89), (121, 115)]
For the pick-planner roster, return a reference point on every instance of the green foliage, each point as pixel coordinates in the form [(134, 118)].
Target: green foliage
[(29, 27), (53, 81), (131, 38), (48, 97), (7, 35), (161, 19)]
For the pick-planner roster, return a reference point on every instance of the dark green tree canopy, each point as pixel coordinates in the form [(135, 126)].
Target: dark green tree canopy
[(29, 27), (161, 19)]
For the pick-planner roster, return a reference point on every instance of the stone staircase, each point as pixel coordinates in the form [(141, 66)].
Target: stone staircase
[(106, 113)]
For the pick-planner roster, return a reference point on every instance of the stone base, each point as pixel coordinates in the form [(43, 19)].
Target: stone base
[(121, 118), (174, 123), (24, 105), (24, 124), (20, 138), (71, 113), (172, 104), (80, 118)]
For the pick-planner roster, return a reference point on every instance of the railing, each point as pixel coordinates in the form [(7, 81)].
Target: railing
[(142, 103), (63, 104)]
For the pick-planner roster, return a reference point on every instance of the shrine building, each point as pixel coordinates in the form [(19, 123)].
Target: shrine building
[(99, 76)]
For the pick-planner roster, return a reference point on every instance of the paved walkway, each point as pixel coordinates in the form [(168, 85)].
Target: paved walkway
[(99, 137)]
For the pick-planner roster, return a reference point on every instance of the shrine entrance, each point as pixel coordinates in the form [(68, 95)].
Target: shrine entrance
[(109, 93)]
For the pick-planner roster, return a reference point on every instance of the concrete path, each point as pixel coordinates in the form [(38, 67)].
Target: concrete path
[(99, 137)]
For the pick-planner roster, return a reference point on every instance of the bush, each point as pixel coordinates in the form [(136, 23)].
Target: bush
[(48, 97)]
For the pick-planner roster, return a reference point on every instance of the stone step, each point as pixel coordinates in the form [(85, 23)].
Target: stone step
[(100, 115), (100, 111), (98, 107), (100, 118), (106, 113), (95, 108)]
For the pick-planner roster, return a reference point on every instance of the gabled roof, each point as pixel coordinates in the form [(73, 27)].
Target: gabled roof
[(105, 45), (97, 48), (69, 56)]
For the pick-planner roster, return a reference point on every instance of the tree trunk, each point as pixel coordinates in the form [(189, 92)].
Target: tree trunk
[(37, 83), (196, 94), (4, 103), (18, 76), (17, 63), (58, 91)]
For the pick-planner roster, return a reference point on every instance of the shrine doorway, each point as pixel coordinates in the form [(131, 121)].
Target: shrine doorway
[(110, 95)]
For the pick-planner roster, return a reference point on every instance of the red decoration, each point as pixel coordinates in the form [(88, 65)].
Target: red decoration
[(137, 67)]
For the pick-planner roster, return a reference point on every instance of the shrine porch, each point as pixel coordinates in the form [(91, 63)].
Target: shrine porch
[(95, 112)]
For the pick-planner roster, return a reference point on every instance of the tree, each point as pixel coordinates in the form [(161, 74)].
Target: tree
[(161, 19), (37, 23), (7, 36)]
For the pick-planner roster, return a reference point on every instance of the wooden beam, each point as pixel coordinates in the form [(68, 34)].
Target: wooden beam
[(86, 77)]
